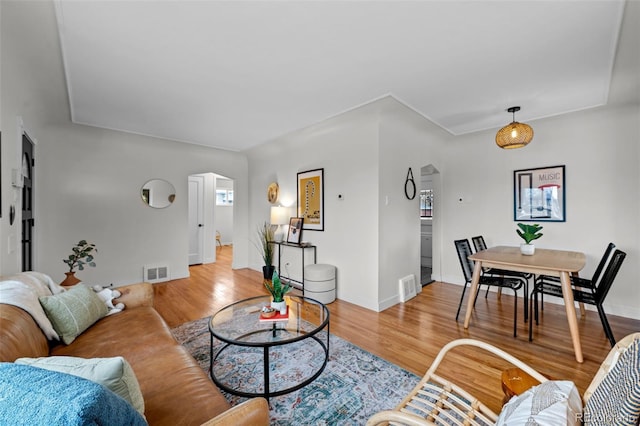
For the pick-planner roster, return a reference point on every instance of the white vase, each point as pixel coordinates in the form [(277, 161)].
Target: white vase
[(280, 306), (527, 249)]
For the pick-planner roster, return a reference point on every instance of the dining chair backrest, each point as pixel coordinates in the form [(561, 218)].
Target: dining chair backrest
[(478, 243), (603, 262), (464, 251), (609, 275)]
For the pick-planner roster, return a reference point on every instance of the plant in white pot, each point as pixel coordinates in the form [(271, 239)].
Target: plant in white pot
[(528, 233), (277, 291)]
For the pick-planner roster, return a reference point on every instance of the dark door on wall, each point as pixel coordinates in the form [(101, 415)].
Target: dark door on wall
[(27, 203)]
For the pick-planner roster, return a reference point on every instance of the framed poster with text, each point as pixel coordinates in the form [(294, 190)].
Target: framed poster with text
[(539, 195), (311, 199)]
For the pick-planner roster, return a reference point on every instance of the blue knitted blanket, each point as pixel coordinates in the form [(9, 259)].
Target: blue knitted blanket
[(34, 396)]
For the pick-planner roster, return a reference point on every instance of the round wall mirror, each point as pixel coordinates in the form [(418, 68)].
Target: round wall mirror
[(158, 193)]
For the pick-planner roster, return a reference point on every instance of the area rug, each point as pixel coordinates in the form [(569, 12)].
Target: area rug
[(354, 385)]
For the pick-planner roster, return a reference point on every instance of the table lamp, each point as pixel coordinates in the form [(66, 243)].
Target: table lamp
[(279, 217)]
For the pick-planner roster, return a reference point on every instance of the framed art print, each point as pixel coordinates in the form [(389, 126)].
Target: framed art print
[(311, 199), (539, 195), (294, 235)]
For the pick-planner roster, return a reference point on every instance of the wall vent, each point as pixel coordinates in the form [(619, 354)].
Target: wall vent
[(407, 288), (156, 273)]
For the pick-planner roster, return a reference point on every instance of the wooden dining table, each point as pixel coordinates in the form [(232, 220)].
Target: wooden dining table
[(559, 263)]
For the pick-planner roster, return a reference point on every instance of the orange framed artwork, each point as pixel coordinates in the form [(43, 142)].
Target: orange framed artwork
[(311, 199)]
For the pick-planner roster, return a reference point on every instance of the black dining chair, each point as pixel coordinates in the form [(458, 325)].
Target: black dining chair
[(586, 291), (464, 251), (480, 245), (596, 274)]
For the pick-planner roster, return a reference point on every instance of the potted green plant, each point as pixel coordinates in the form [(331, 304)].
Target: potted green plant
[(528, 233), (81, 256), (277, 290), (265, 245)]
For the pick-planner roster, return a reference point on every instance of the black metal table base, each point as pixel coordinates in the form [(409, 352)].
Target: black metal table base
[(267, 391)]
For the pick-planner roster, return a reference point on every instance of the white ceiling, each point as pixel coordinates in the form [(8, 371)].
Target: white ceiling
[(235, 74)]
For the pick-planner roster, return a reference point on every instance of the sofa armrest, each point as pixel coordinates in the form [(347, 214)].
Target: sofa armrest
[(135, 295), (254, 412)]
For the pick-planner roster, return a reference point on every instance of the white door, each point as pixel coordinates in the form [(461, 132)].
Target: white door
[(196, 219)]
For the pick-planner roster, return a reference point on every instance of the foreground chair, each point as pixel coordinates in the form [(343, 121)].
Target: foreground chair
[(585, 291), (480, 245), (464, 251), (437, 401)]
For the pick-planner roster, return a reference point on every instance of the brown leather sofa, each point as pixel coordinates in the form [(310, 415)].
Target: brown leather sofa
[(176, 390)]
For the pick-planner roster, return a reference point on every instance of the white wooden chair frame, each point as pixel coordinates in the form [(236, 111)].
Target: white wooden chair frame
[(437, 399)]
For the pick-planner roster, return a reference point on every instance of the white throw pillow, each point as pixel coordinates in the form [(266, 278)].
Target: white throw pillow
[(114, 373), (551, 403)]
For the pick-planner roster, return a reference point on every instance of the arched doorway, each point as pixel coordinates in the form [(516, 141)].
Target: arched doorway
[(429, 183)]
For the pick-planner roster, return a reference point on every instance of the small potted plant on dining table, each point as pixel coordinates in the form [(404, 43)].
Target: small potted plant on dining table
[(528, 233), (278, 291)]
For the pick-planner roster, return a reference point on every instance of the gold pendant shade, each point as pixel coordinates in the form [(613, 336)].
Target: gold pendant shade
[(514, 135)]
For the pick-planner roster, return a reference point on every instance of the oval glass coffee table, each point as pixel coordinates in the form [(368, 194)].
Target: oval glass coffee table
[(268, 357)]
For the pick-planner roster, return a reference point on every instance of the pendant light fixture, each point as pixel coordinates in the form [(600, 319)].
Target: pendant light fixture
[(514, 135)]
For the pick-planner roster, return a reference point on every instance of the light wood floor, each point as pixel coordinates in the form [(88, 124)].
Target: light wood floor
[(411, 334)]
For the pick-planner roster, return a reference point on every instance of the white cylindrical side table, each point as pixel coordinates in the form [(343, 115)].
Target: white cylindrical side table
[(320, 282)]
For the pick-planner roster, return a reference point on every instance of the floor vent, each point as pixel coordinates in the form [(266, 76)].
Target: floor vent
[(407, 288), (156, 274)]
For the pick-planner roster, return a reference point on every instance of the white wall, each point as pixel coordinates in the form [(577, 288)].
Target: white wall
[(599, 148), (26, 57), (407, 140), (601, 179), (97, 198), (88, 180), (347, 148), (372, 234)]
